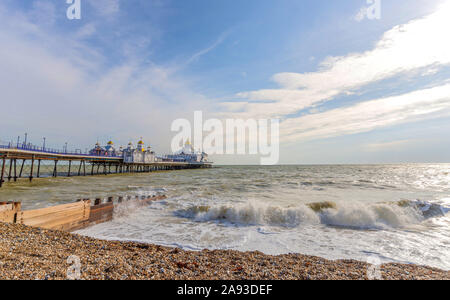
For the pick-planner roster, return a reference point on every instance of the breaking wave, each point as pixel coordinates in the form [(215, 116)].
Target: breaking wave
[(358, 216), (252, 213)]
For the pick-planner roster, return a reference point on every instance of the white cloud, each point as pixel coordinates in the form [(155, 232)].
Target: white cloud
[(370, 115), (419, 44), (202, 52), (86, 31), (106, 7), (43, 12), (58, 86)]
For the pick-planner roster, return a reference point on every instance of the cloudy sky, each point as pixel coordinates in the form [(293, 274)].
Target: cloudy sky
[(347, 88)]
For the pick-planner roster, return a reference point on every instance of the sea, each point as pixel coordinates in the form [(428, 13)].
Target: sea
[(375, 213)]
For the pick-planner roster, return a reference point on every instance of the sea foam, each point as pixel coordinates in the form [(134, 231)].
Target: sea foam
[(350, 215)]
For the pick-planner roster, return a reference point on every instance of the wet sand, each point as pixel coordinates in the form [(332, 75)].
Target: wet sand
[(33, 253)]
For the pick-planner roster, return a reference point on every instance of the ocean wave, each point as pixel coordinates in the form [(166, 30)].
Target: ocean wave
[(251, 213), (429, 210), (372, 216), (355, 215)]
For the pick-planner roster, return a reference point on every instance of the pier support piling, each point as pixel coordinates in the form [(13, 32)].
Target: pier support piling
[(10, 169), (32, 167), (39, 169), (15, 170), (21, 168), (3, 171), (55, 169)]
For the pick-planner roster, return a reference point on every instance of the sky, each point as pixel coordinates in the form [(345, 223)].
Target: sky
[(347, 86)]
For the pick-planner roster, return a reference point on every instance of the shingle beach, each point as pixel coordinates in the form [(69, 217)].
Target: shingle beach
[(32, 253)]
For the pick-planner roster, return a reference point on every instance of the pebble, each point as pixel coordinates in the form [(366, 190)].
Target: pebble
[(43, 255)]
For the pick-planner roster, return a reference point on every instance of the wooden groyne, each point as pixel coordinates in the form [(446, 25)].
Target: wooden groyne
[(69, 217)]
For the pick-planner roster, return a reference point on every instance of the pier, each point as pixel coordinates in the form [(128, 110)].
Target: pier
[(13, 160)]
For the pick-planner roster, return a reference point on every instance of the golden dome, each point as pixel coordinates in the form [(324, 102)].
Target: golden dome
[(110, 143), (188, 142)]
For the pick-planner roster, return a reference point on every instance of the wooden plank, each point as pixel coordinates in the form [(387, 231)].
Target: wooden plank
[(8, 211), (101, 206), (106, 206), (78, 226), (151, 199), (59, 222), (58, 218), (50, 210), (97, 217), (31, 215), (4, 207), (87, 209), (101, 213), (7, 216)]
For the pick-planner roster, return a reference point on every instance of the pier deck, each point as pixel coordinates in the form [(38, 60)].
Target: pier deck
[(76, 164)]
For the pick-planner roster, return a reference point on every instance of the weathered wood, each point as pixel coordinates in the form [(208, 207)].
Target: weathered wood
[(28, 214), (55, 170), (8, 212), (7, 216), (101, 213), (15, 169), (21, 168), (67, 217), (5, 206), (62, 217), (31, 171), (153, 198), (39, 169), (10, 169), (3, 171)]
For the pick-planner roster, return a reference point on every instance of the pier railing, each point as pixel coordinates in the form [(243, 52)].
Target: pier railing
[(46, 150)]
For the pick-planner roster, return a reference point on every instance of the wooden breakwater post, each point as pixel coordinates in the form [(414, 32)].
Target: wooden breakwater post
[(8, 211), (67, 217), (101, 212)]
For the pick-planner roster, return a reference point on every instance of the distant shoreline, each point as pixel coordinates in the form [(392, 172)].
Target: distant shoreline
[(32, 253)]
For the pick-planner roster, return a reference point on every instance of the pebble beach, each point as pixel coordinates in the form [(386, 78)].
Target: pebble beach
[(33, 253)]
